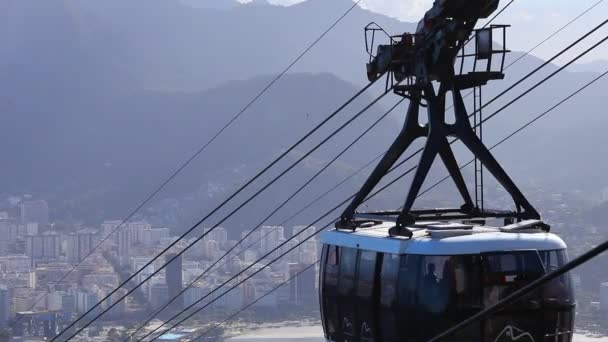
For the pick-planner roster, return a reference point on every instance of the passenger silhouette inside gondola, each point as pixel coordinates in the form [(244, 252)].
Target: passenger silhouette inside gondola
[(430, 279)]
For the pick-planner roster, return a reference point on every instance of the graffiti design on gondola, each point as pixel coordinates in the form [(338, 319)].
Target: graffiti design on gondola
[(511, 333)]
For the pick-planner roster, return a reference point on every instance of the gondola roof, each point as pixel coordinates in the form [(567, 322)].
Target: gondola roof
[(444, 238)]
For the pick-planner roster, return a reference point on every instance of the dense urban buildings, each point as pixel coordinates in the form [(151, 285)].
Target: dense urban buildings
[(50, 276)]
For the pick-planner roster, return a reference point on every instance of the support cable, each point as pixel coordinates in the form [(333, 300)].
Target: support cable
[(534, 71), (246, 236), (196, 154), (499, 305), (252, 197)]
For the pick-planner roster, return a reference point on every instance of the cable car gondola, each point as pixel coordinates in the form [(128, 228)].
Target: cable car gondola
[(374, 287), (409, 275)]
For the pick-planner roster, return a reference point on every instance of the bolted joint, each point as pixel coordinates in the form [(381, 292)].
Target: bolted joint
[(400, 231), (345, 223)]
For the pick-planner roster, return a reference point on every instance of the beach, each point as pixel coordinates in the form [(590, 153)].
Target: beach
[(291, 334), (315, 334)]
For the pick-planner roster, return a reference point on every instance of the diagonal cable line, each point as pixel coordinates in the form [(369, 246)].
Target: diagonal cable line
[(200, 150), (494, 114), (317, 174), (252, 197)]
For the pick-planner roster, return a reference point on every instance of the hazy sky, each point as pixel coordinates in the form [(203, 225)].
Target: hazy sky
[(531, 20)]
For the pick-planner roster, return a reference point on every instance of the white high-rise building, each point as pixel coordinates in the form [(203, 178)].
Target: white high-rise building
[(108, 228), (308, 252), (212, 249), (219, 234), (124, 244), (79, 245), (137, 230), (46, 246), (271, 237), (293, 255), (153, 236)]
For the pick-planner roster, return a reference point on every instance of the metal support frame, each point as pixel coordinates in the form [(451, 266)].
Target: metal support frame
[(436, 55), (437, 132)]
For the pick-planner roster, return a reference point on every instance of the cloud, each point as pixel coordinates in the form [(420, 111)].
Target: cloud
[(410, 10)]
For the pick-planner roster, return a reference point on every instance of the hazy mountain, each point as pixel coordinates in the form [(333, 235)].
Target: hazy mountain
[(92, 115), (178, 47), (113, 154)]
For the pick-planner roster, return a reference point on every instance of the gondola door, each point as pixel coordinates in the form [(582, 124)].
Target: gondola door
[(366, 290)]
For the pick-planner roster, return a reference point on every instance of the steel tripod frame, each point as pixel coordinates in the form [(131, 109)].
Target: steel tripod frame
[(437, 132)]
